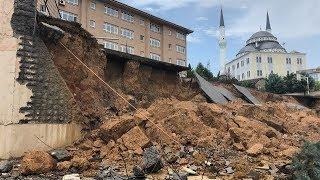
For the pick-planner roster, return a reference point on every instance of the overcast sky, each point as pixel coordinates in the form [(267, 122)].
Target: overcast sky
[(294, 22)]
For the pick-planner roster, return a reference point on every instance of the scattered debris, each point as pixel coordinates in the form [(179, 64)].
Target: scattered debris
[(5, 166), (152, 160), (37, 162), (61, 155)]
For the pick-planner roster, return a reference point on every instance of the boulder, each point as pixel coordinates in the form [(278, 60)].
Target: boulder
[(255, 149), (138, 172), (152, 160), (61, 155), (134, 139), (37, 162), (5, 166)]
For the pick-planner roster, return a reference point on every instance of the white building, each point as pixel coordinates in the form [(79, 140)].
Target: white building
[(263, 55)]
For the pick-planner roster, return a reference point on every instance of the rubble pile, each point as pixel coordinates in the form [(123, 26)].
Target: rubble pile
[(174, 137)]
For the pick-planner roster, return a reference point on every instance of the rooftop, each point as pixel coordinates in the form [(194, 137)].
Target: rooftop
[(150, 16)]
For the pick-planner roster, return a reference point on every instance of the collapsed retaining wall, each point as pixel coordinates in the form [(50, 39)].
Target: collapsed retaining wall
[(32, 90)]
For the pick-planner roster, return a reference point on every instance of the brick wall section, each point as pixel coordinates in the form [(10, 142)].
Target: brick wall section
[(51, 101)]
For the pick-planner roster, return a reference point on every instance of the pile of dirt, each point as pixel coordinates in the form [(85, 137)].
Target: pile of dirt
[(207, 137)]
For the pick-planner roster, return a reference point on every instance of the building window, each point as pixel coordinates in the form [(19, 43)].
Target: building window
[(127, 33), (248, 60), (288, 60), (170, 32), (248, 74), (155, 28), (170, 60), (181, 62), (238, 66), (288, 72), (111, 45), (154, 43), (68, 16), (181, 49), (127, 49), (142, 22), (43, 8), (242, 63), (269, 60), (259, 73), (93, 5), (73, 2), (110, 28), (141, 37), (170, 46), (258, 59), (242, 76), (111, 12), (181, 36), (127, 16), (92, 23), (155, 57), (299, 61)]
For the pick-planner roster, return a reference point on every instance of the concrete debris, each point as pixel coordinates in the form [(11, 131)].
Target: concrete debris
[(61, 155), (71, 177), (5, 166), (152, 160), (179, 176), (37, 162), (229, 170)]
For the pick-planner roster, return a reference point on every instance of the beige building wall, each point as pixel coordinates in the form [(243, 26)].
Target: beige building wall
[(278, 66), (12, 94), (142, 48)]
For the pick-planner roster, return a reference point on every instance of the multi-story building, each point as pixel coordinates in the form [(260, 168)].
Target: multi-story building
[(264, 55), (123, 28), (314, 73)]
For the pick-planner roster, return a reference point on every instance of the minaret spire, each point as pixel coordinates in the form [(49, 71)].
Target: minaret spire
[(268, 26), (222, 45), (221, 18)]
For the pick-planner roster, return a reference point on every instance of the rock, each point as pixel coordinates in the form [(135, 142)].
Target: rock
[(37, 162), (5, 166), (271, 134), (110, 174), (189, 171), (179, 176), (5, 175), (229, 170), (63, 166), (172, 158), (183, 161), (238, 147), (263, 166), (199, 158), (152, 160), (61, 155), (71, 177), (255, 149), (98, 143), (80, 163), (138, 172), (194, 167), (134, 139)]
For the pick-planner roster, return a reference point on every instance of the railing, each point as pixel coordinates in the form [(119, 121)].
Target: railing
[(50, 8)]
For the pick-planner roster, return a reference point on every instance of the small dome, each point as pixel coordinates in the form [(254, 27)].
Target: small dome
[(270, 45), (261, 34), (248, 48)]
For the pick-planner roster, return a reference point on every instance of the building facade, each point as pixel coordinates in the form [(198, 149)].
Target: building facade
[(123, 28), (263, 55), (314, 73)]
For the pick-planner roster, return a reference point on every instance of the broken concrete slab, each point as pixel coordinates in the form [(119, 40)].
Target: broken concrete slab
[(246, 93), (226, 93), (210, 91)]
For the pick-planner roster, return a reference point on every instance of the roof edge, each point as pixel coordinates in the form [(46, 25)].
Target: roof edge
[(143, 13)]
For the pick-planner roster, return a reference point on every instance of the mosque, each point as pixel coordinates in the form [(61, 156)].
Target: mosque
[(261, 56)]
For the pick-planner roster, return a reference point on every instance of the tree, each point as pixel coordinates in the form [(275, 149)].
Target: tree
[(317, 86), (293, 84), (306, 164), (275, 84), (204, 72), (190, 72)]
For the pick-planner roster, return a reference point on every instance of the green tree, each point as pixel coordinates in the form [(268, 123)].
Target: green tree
[(306, 164), (275, 84), (293, 84), (190, 72), (204, 72), (317, 86)]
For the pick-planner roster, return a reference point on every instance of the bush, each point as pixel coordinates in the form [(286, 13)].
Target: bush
[(248, 84), (306, 164), (317, 86), (275, 84)]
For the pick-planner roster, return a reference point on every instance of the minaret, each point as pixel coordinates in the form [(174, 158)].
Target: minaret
[(222, 45), (268, 26)]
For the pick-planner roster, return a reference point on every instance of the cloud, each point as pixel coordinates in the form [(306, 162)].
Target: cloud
[(201, 18), (193, 38)]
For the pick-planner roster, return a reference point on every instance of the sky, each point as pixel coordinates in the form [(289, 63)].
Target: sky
[(294, 22)]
